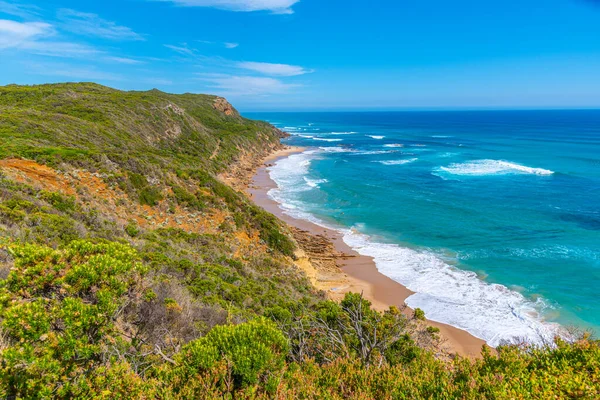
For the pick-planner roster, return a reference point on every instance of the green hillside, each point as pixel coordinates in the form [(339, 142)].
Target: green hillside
[(128, 269)]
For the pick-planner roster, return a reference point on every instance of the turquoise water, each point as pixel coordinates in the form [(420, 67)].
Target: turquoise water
[(493, 218)]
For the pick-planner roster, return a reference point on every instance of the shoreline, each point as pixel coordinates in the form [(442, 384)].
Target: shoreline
[(351, 272)]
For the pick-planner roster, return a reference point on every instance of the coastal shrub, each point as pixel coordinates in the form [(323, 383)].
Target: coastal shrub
[(132, 229), (150, 196), (253, 352), (52, 228), (61, 334), (402, 351), (270, 231), (419, 314), (186, 199), (147, 194), (432, 330), (350, 329), (61, 203)]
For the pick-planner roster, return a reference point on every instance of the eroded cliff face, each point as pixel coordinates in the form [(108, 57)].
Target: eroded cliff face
[(222, 105)]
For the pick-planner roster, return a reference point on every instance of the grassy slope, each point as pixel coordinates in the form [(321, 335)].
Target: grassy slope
[(79, 123), (154, 152), (127, 270)]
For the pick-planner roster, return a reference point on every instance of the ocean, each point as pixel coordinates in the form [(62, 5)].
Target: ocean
[(491, 217)]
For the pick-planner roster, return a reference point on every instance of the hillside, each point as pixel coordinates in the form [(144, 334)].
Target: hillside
[(129, 269)]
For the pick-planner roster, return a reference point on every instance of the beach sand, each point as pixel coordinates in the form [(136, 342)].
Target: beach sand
[(352, 272)]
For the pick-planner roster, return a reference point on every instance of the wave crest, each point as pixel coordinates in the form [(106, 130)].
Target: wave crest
[(397, 162), (492, 167)]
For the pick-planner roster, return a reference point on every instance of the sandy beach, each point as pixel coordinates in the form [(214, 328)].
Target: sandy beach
[(352, 272)]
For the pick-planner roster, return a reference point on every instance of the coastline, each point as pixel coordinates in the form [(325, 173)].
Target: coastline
[(341, 269)]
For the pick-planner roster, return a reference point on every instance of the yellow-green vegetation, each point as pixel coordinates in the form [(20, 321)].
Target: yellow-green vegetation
[(97, 301)]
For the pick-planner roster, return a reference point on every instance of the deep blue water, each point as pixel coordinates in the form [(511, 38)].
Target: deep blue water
[(492, 217)]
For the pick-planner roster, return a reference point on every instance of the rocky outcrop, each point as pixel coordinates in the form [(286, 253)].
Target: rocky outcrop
[(176, 109), (280, 134), (225, 107)]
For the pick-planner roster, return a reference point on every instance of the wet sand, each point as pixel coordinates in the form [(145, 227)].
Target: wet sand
[(358, 273)]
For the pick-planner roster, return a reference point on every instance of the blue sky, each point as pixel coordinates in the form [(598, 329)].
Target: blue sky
[(315, 54)]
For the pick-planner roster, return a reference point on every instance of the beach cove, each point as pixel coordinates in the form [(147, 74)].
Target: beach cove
[(354, 273)]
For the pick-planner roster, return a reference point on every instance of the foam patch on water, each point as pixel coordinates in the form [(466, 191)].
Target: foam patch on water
[(492, 167), (393, 145), (343, 133), (337, 149), (376, 137), (374, 152), (397, 162), (447, 155), (327, 140), (447, 294), (314, 183)]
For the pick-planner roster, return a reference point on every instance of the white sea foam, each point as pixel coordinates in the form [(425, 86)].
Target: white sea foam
[(337, 149), (397, 162), (441, 136), (393, 145), (306, 136), (376, 137), (449, 295), (456, 297), (314, 183), (447, 155), (374, 152), (492, 167), (343, 133), (327, 140)]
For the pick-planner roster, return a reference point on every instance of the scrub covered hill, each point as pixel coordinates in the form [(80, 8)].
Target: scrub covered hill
[(128, 269)]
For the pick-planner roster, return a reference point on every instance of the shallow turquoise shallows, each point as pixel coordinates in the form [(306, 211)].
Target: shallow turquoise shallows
[(491, 217)]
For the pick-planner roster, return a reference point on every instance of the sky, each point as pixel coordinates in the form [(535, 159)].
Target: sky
[(297, 55)]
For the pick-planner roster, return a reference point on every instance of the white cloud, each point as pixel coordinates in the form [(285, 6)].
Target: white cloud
[(18, 10), (274, 69), (181, 49), (275, 6), (92, 25), (246, 85), (33, 37), (227, 45), (16, 34), (123, 60), (59, 49)]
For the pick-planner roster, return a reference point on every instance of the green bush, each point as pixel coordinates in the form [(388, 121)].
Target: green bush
[(419, 314), (150, 196), (132, 229), (61, 336), (61, 203), (254, 352), (186, 199)]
